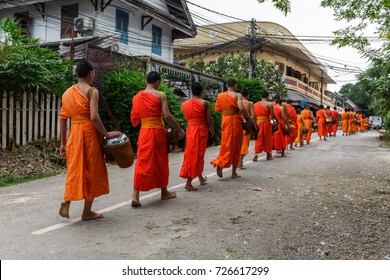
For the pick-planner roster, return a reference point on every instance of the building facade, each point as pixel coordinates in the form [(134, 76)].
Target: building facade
[(305, 76)]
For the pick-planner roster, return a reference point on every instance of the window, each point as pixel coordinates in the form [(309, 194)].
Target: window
[(68, 14), (23, 21), (156, 39), (122, 25)]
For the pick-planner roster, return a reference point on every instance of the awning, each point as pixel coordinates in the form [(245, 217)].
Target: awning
[(298, 97)]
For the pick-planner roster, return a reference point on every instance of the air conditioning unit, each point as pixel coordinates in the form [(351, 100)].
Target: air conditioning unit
[(83, 24)]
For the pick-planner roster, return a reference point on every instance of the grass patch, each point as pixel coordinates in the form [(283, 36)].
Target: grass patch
[(11, 180)]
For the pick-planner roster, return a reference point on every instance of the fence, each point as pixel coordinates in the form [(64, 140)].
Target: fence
[(28, 118)]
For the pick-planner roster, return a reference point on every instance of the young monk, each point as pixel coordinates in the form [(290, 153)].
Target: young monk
[(263, 111), (320, 116), (151, 168), (308, 118), (248, 105), (200, 127), (335, 125), (301, 124), (230, 103), (290, 138), (278, 138), (83, 150)]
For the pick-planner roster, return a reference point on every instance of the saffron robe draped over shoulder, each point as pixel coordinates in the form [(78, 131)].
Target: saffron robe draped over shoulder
[(264, 138), (328, 115), (344, 117), (335, 116), (308, 121), (231, 130), (86, 176), (196, 139), (290, 138), (278, 138), (246, 138), (299, 138), (320, 116), (151, 167)]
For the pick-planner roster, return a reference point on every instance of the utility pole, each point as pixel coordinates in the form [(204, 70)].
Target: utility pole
[(252, 56)]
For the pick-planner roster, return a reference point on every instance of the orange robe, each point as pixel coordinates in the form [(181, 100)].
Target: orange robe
[(151, 168), (335, 116), (299, 138), (278, 138), (84, 153), (361, 123), (196, 139), (307, 118), (328, 126), (344, 117), (264, 138), (354, 126), (231, 130), (320, 116), (350, 121), (246, 138), (290, 138)]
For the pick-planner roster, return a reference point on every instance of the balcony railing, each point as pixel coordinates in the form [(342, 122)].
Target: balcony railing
[(301, 87)]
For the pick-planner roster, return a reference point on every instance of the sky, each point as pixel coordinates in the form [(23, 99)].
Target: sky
[(306, 18)]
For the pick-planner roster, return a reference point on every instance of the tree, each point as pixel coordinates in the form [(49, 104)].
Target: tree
[(364, 12), (27, 67), (357, 93), (282, 5)]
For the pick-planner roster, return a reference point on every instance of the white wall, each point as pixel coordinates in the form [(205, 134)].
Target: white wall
[(140, 41)]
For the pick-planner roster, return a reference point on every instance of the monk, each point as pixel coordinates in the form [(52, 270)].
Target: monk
[(83, 149), (353, 121), (290, 138), (200, 127), (344, 117), (335, 121), (320, 116), (308, 118), (328, 121), (301, 124), (361, 120), (248, 105), (278, 138), (230, 103), (151, 168), (264, 111)]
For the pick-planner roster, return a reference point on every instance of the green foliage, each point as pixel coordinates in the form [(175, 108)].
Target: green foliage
[(357, 93), (237, 66), (364, 12), (282, 5), (255, 87), (119, 88), (26, 67)]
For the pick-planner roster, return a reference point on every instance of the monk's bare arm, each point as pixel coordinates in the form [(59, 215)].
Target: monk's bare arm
[(63, 129), (252, 110), (285, 118), (210, 122), (240, 105), (170, 119), (95, 118), (271, 108)]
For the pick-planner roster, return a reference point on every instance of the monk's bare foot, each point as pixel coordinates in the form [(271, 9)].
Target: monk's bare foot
[(219, 172), (203, 180), (136, 203), (255, 158), (91, 216), (168, 195), (270, 158), (64, 209), (190, 188), (235, 175)]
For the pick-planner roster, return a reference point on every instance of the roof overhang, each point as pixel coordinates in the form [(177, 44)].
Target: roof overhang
[(179, 17), (7, 4), (298, 97), (298, 55)]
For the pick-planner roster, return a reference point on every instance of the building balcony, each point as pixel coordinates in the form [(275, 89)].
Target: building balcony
[(303, 88)]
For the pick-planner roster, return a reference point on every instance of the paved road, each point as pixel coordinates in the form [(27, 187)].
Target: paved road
[(225, 219)]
